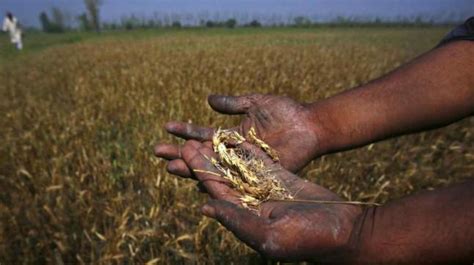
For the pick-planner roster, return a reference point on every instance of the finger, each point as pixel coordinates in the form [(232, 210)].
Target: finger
[(219, 187), (230, 104), (248, 227), (168, 151), (189, 131), (179, 168), (194, 159), (194, 143), (207, 151), (171, 151)]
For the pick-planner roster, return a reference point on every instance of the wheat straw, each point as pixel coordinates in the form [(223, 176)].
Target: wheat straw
[(249, 175)]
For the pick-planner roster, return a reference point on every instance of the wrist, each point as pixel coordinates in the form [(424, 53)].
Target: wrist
[(350, 252), (323, 124), (341, 123)]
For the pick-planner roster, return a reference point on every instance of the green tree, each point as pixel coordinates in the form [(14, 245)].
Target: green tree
[(254, 24), (210, 24), (58, 19), (302, 21), (56, 24), (45, 22), (231, 23), (84, 23), (93, 10), (176, 24)]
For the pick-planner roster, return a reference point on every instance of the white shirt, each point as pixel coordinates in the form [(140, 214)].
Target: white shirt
[(13, 28)]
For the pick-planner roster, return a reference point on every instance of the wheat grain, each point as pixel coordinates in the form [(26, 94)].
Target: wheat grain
[(247, 173)]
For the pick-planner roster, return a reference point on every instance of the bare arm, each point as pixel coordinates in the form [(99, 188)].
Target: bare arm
[(433, 90), (431, 227)]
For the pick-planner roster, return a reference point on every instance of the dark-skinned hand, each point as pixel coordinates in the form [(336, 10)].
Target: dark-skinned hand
[(284, 124), (280, 230)]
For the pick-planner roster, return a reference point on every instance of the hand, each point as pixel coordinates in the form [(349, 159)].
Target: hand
[(289, 230), (284, 124)]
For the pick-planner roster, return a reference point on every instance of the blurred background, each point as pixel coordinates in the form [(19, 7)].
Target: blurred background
[(84, 98)]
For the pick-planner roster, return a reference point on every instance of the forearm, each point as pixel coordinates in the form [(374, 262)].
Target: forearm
[(433, 90), (429, 227)]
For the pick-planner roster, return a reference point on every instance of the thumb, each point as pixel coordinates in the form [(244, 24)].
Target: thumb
[(230, 104), (246, 226)]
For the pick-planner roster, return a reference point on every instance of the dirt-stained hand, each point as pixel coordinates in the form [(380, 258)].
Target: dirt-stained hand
[(281, 230), (281, 122)]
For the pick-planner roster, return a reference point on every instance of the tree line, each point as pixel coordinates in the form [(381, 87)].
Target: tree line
[(58, 21), (88, 20)]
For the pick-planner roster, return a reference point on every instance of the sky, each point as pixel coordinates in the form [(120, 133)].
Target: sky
[(322, 10)]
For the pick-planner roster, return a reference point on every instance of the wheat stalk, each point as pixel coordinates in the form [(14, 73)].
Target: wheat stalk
[(248, 174)]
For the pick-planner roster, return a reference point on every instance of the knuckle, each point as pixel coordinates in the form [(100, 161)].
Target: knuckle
[(194, 159), (191, 143), (254, 98)]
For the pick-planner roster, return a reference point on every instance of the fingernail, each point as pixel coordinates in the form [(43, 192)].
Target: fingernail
[(208, 210), (170, 168)]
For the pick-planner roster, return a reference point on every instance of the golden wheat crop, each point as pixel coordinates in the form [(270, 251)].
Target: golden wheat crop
[(78, 179), (244, 170)]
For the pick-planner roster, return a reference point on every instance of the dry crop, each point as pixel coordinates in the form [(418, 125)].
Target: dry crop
[(78, 179), (246, 172)]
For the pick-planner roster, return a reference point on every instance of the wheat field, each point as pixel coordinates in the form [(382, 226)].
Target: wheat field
[(78, 179)]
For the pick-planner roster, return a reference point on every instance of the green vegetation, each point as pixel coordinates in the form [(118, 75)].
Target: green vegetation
[(81, 113), (35, 41)]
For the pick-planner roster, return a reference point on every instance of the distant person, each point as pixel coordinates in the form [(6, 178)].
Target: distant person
[(10, 24)]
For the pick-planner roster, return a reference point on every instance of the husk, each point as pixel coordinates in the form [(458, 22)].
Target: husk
[(246, 172), (249, 175)]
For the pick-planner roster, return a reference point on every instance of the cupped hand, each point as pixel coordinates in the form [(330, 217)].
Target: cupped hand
[(284, 124), (282, 230)]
